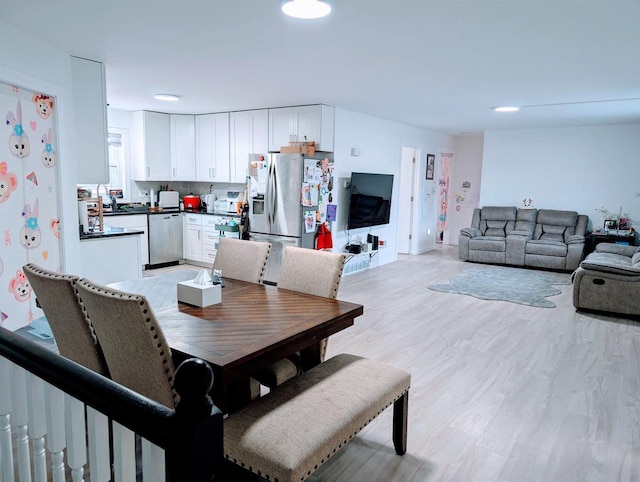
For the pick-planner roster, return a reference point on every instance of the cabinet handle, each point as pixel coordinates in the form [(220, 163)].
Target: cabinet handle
[(148, 171), (174, 172)]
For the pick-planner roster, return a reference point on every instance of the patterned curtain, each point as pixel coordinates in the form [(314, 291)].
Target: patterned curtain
[(29, 206), (446, 161)]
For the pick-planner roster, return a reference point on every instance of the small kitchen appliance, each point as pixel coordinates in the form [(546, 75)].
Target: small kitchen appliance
[(191, 202), (209, 201), (169, 199)]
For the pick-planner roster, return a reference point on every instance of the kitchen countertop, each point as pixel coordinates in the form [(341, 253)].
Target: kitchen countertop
[(111, 232)]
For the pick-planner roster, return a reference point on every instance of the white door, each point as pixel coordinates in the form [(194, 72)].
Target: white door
[(408, 165)]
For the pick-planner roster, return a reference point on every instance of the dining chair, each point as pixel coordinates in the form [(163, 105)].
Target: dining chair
[(241, 259), (134, 347), (307, 271), (73, 331)]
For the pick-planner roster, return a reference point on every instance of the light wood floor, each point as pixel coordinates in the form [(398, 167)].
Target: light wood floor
[(500, 391)]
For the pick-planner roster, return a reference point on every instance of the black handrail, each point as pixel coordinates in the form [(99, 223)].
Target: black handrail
[(191, 434)]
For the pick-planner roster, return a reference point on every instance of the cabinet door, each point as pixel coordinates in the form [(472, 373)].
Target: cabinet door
[(316, 122), (259, 135), (281, 128), (157, 146), (183, 148), (193, 242), (134, 221), (90, 121), (212, 147), (240, 134)]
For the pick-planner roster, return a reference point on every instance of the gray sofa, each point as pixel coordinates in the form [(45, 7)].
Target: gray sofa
[(543, 238), (609, 280)]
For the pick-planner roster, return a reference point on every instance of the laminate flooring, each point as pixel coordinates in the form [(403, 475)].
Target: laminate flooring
[(500, 391)]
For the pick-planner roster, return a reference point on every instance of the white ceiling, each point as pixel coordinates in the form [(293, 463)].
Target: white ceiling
[(436, 64)]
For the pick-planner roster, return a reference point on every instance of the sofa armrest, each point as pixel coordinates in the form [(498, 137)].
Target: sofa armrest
[(616, 249), (608, 267), (575, 239), (470, 232)]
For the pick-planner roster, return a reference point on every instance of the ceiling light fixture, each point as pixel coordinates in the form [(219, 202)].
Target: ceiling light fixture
[(506, 108), (307, 9), (167, 97)]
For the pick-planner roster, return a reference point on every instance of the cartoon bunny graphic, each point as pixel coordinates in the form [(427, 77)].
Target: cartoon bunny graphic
[(48, 154), (18, 140), (44, 105), (8, 182), (30, 234), (20, 287)]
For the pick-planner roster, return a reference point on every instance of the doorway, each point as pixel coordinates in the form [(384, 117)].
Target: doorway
[(408, 169)]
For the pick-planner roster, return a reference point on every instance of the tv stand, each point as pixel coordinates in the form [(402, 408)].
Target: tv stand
[(358, 262)]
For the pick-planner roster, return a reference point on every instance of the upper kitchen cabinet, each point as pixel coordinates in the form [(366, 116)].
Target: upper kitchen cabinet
[(183, 147), (212, 148), (310, 122), (151, 146), (249, 133), (90, 121)]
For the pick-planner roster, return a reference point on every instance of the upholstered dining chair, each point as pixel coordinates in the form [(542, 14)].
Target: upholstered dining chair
[(241, 259), (73, 331), (132, 341), (307, 271)]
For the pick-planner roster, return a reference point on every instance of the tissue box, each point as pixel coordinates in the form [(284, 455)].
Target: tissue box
[(199, 295)]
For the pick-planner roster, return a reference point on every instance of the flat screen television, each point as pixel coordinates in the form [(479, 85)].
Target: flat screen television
[(369, 200)]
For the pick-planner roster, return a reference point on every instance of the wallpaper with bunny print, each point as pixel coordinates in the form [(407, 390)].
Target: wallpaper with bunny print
[(29, 219)]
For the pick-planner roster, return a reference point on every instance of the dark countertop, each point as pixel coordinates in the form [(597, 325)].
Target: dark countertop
[(111, 232)]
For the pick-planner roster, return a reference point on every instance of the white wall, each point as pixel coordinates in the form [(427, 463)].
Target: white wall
[(28, 62), (572, 168), (380, 142), (467, 168)]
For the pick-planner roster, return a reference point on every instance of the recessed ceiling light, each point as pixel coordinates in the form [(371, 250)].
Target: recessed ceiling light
[(167, 97), (307, 9), (506, 108)]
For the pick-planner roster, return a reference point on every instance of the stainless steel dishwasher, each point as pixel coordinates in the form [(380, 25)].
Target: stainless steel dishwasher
[(165, 238)]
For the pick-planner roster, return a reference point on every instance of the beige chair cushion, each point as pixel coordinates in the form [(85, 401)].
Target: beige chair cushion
[(313, 272), (307, 271), (133, 344), (73, 331), (242, 260), (288, 433)]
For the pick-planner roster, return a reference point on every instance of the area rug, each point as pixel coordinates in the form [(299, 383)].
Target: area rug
[(523, 286)]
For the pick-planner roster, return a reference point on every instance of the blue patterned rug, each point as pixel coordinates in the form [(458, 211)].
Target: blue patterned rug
[(523, 286)]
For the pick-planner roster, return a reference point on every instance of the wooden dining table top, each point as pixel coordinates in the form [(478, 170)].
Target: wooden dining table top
[(253, 326)]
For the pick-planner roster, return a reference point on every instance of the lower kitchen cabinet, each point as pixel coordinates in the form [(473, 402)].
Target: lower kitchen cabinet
[(201, 237), (111, 259), (135, 221)]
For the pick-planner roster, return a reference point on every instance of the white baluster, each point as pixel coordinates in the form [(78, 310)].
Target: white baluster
[(6, 450), (54, 399), (75, 429), (37, 424), (124, 454), (21, 421), (153, 464), (98, 427)]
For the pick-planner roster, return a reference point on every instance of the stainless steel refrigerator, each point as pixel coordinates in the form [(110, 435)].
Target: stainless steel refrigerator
[(276, 214)]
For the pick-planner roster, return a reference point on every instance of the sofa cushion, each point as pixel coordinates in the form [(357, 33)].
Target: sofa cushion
[(635, 260), (526, 220), (555, 225), (488, 243), (553, 233), (546, 247), (496, 228)]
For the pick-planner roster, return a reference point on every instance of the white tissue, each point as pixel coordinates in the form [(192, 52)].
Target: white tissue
[(203, 278)]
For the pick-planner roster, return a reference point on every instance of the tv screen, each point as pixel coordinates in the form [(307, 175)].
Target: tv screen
[(370, 199)]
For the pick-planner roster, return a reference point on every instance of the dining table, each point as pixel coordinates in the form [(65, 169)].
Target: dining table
[(253, 326)]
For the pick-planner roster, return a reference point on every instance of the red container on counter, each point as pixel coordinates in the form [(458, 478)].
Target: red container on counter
[(191, 201)]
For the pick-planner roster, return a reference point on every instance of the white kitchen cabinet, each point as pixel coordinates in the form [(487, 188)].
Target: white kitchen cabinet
[(133, 221), (183, 147), (90, 121), (310, 122), (212, 148), (151, 146), (192, 239), (249, 133)]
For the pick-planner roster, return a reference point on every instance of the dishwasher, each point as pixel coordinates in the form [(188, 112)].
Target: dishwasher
[(165, 239)]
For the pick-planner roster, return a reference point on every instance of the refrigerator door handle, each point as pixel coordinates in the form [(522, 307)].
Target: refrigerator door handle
[(268, 202)]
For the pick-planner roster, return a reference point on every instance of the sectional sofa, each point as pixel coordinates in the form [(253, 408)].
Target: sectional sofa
[(542, 238)]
